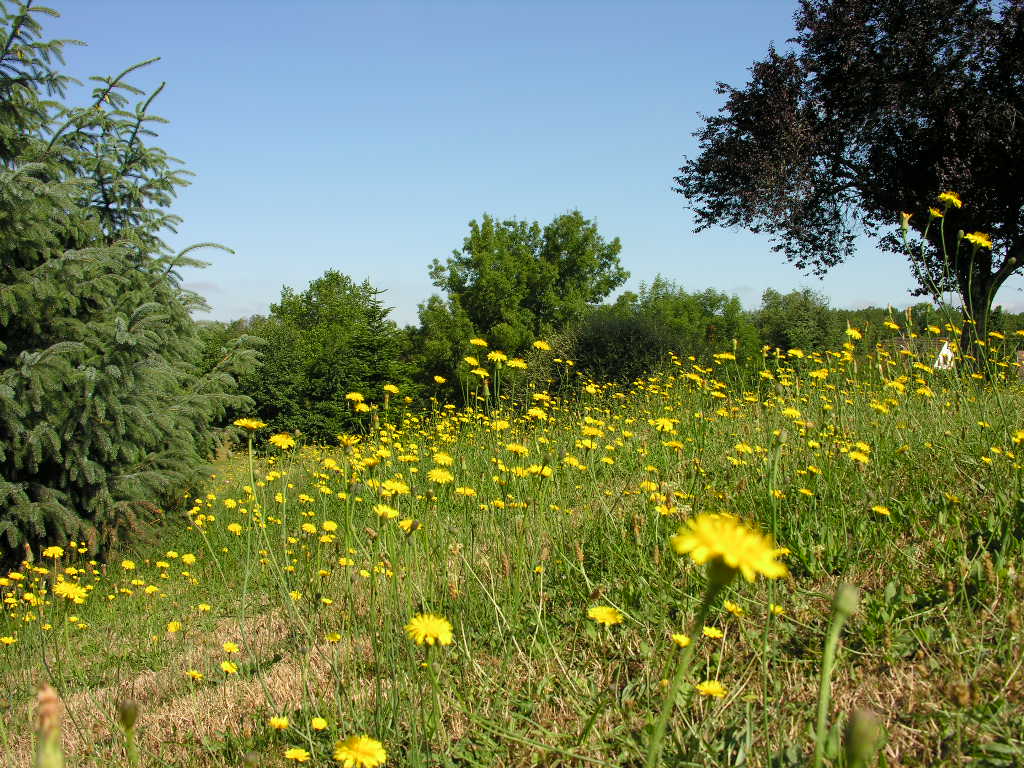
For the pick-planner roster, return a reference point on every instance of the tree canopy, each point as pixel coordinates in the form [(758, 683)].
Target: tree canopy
[(880, 106), (516, 282), (321, 344)]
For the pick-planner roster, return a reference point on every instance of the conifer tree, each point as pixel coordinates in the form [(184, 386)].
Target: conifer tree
[(104, 417)]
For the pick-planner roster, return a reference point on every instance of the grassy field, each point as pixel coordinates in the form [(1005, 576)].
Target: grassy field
[(273, 624)]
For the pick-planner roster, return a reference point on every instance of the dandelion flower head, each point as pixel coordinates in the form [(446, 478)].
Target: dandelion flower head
[(430, 629), (360, 752), (605, 614), (283, 440), (724, 537)]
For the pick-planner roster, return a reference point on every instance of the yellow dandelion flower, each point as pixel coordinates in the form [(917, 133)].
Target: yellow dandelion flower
[(283, 440), (440, 379), (681, 640), (440, 476), (478, 342), (430, 629), (71, 591), (318, 724), (713, 632), (733, 608), (722, 537), (360, 752), (951, 198), (298, 754), (250, 424), (278, 723), (711, 688), (230, 647), (229, 668), (605, 614), (355, 397), (979, 239), (54, 552), (542, 345)]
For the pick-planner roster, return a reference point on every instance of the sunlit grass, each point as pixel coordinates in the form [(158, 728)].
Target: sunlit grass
[(500, 585)]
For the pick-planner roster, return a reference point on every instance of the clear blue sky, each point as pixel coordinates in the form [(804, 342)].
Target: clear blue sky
[(363, 136)]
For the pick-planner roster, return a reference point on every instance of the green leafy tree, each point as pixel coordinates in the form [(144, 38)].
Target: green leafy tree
[(333, 338), (880, 106), (799, 320), (438, 345), (516, 282), (104, 417), (631, 337)]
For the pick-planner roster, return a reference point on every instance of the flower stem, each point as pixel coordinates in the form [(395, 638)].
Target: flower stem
[(844, 606), (682, 667), (435, 720)]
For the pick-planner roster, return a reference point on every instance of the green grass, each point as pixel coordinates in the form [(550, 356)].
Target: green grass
[(934, 649)]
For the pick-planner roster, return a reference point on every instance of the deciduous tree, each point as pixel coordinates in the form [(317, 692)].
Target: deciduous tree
[(880, 106), (517, 282)]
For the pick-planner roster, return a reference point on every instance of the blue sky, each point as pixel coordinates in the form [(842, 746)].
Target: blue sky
[(363, 136)]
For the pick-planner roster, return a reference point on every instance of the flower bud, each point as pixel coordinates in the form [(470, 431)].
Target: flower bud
[(863, 730), (847, 600), (127, 713), (48, 715)]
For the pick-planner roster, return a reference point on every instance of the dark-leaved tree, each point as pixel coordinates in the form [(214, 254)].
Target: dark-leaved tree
[(880, 106), (104, 417)]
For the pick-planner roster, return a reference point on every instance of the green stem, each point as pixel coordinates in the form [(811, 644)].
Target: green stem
[(435, 723), (844, 606), (682, 667), (131, 748)]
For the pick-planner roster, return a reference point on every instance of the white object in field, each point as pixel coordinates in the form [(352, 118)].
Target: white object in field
[(944, 361)]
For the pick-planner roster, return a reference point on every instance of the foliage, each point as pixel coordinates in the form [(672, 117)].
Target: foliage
[(220, 340), (516, 282), (798, 319), (880, 106), (438, 344), (321, 344), (104, 417), (631, 337)]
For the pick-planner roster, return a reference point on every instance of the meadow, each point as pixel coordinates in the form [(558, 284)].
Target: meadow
[(591, 575)]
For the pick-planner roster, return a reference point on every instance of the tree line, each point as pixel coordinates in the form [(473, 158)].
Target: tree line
[(505, 288)]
